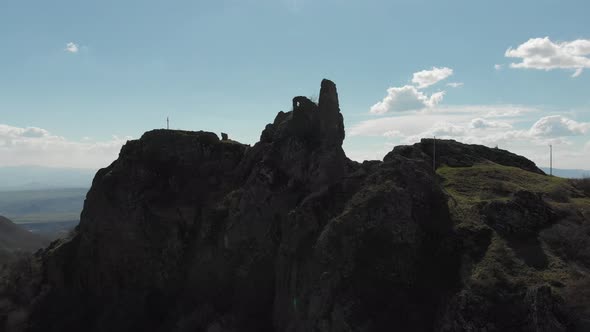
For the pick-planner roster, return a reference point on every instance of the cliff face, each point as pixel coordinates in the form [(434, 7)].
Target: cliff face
[(186, 232)]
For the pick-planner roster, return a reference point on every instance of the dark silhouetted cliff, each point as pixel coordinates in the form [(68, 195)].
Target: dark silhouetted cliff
[(187, 232)]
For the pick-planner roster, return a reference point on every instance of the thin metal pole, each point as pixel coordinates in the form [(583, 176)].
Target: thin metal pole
[(550, 159), (167, 123), (434, 154)]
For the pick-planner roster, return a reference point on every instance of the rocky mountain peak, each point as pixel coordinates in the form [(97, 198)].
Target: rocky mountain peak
[(319, 124), (306, 143)]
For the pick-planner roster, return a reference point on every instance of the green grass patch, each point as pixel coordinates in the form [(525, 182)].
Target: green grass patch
[(469, 187), (486, 182), (499, 265)]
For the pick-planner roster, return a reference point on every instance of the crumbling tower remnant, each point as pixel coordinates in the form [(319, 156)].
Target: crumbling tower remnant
[(301, 102)]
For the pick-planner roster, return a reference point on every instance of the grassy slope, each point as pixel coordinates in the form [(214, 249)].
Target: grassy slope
[(472, 186), (496, 182)]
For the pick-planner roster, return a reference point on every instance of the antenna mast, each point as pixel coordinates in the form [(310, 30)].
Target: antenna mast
[(550, 159), (167, 123), (434, 154)]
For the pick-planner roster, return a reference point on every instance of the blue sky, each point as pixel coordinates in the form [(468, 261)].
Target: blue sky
[(78, 78)]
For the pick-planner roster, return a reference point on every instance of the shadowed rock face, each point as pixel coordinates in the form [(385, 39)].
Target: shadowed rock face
[(522, 216), (186, 232), (455, 154)]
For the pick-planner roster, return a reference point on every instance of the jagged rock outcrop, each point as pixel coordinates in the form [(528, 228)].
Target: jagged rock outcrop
[(523, 215), (187, 232)]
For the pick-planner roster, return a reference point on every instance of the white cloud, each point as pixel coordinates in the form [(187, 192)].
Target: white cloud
[(479, 123), (578, 72), (37, 146), (72, 47), (439, 130), (6, 131), (508, 112), (426, 78), (409, 123), (411, 97), (544, 54), (558, 126), (488, 111), (406, 98), (455, 84), (393, 133), (435, 98), (454, 122), (498, 67)]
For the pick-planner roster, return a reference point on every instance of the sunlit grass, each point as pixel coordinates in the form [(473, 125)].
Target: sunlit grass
[(485, 182), (471, 187)]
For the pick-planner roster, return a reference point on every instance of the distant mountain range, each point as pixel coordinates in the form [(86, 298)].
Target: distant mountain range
[(568, 173), (43, 205), (50, 213), (14, 239), (38, 177), (45, 201)]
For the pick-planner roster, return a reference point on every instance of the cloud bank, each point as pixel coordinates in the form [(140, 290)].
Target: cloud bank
[(544, 54), (520, 129), (411, 97), (37, 146), (558, 126)]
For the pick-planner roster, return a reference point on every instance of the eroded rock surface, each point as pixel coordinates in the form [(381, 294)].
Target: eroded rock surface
[(523, 215), (187, 232)]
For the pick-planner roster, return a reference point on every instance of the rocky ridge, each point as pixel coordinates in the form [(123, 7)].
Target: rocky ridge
[(187, 232), (454, 154)]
